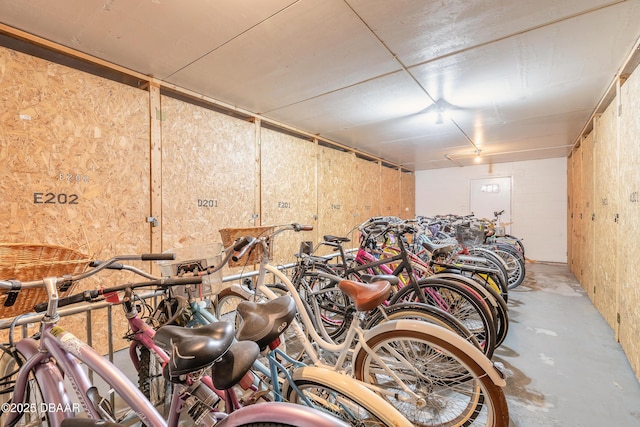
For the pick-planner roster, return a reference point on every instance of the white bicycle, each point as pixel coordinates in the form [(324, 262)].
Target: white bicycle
[(431, 375)]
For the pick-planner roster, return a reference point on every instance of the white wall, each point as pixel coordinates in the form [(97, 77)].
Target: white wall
[(538, 200)]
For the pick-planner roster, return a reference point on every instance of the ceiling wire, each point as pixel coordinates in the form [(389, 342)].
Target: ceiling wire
[(411, 76)]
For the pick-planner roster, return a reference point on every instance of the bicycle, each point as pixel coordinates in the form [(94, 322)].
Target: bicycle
[(350, 399), (393, 357), (59, 355), (469, 304)]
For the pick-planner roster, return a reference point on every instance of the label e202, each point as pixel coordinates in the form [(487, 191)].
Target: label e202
[(55, 198)]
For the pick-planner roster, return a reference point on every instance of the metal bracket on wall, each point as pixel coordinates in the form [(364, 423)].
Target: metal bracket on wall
[(153, 221)]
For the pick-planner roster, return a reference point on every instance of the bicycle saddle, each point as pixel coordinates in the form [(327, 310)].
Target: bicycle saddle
[(335, 239), (234, 364), (366, 296), (263, 323), (438, 250), (193, 349)]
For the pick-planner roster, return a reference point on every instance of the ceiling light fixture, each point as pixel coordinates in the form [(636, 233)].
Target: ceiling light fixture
[(477, 159), (438, 112)]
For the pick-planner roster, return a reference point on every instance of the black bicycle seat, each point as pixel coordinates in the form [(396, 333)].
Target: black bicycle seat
[(191, 349), (262, 323), (335, 239), (234, 364)]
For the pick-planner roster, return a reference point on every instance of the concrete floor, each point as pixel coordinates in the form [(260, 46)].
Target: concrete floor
[(563, 364)]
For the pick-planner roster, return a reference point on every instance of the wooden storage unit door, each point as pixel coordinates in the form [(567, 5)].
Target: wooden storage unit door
[(390, 193), (337, 196), (366, 187), (407, 195), (578, 214), (589, 240), (75, 149), (606, 207), (288, 186), (208, 173), (629, 328)]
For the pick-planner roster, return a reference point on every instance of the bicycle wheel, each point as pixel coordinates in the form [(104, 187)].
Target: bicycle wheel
[(324, 397), (453, 389), (326, 303), (10, 363), (491, 298), (152, 383), (515, 264), (423, 312), (227, 304), (457, 300)]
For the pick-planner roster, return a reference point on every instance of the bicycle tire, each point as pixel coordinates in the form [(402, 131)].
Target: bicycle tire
[(423, 312), (515, 264), (474, 313), (10, 363), (495, 261), (460, 394), (513, 241), (492, 298), (266, 425), (359, 412), (152, 382), (327, 305), (226, 304)]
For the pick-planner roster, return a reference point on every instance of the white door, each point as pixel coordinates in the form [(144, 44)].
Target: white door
[(489, 195)]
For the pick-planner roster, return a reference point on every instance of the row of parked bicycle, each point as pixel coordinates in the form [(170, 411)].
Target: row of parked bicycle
[(398, 332)]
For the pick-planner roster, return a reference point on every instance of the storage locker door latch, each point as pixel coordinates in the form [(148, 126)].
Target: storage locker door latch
[(153, 221)]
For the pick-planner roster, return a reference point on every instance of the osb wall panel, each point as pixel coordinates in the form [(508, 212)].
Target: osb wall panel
[(208, 173), (75, 155), (588, 241), (390, 193), (606, 207), (337, 196), (366, 188), (288, 189), (578, 212), (407, 195), (570, 194), (629, 328)]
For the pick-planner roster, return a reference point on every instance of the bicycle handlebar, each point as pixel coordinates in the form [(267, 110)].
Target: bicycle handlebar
[(91, 295), (252, 241), (11, 285)]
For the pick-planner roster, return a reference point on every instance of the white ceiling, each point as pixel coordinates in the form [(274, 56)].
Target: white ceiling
[(524, 76)]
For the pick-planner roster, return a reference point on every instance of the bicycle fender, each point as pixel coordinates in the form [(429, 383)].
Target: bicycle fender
[(352, 387), (242, 290), (444, 334), (49, 378), (281, 412)]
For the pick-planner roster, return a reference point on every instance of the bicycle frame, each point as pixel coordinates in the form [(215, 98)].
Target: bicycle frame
[(69, 354), (342, 349)]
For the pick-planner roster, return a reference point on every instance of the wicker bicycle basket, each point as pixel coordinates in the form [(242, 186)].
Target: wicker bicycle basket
[(230, 235), (470, 234), (26, 262)]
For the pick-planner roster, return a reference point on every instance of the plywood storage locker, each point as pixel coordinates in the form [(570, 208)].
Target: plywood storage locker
[(390, 192), (606, 211), (208, 173), (577, 209), (570, 194), (588, 239), (75, 155), (288, 188), (629, 270), (337, 198), (407, 195), (366, 187)]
